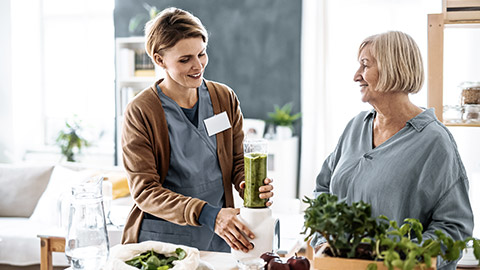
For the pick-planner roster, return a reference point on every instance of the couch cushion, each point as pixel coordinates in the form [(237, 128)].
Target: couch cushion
[(20, 244), (21, 188), (48, 208)]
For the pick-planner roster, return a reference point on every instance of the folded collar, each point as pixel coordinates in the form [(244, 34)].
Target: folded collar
[(419, 122)]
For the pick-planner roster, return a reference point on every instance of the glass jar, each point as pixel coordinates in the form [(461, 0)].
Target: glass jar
[(471, 113), (470, 93), (86, 243), (251, 264), (452, 113)]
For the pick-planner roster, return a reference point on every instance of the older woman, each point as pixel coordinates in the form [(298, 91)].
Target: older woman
[(181, 168), (398, 157)]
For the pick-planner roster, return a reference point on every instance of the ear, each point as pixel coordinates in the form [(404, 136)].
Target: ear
[(158, 60)]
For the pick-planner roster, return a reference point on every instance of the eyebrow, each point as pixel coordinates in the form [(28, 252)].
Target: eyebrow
[(190, 55)]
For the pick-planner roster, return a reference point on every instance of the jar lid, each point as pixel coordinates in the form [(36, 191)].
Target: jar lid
[(470, 85)]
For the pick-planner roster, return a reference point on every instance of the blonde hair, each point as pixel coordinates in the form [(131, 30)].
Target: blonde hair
[(170, 26), (400, 65)]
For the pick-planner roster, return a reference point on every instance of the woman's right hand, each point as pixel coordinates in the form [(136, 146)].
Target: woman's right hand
[(228, 227)]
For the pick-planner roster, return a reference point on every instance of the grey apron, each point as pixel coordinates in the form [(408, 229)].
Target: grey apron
[(194, 171)]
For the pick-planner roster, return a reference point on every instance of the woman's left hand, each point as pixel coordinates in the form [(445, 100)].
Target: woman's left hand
[(265, 190)]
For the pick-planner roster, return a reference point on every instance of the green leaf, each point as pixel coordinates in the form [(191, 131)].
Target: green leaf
[(372, 266), (476, 249), (181, 253), (154, 260)]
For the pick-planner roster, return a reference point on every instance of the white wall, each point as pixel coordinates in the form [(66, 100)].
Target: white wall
[(6, 123)]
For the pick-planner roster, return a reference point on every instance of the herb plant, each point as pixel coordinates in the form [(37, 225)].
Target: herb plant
[(346, 227), (342, 225), (151, 260)]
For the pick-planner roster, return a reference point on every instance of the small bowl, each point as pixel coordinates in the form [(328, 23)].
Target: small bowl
[(251, 264)]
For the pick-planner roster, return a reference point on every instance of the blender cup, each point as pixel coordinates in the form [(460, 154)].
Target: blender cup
[(255, 167)]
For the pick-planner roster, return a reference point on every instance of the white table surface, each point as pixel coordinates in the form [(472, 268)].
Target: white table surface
[(219, 260)]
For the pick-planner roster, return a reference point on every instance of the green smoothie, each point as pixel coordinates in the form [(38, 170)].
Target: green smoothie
[(255, 172)]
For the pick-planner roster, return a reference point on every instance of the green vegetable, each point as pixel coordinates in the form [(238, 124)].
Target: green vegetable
[(347, 227), (151, 260)]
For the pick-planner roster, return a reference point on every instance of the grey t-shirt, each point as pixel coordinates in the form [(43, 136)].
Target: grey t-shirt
[(417, 173)]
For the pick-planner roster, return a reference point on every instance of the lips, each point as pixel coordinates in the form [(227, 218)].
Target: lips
[(195, 76)]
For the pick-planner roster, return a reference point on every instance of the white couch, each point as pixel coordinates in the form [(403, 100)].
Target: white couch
[(29, 205)]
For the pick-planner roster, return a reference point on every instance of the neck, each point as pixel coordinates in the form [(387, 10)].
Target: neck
[(185, 97), (394, 109)]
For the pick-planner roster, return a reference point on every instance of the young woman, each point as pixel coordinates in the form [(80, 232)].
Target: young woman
[(180, 167)]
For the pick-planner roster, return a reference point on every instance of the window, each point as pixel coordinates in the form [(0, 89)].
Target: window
[(65, 70)]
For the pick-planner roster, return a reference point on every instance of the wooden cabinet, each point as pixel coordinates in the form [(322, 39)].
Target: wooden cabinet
[(456, 13)]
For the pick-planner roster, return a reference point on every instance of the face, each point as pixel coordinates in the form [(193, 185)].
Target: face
[(367, 75), (185, 62)]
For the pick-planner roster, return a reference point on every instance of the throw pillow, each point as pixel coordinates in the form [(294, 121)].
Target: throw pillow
[(119, 184), (21, 188), (49, 207)]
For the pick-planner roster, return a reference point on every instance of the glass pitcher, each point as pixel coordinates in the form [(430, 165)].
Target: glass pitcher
[(86, 243)]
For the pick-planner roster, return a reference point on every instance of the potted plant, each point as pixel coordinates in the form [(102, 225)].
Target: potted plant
[(137, 22), (283, 120), (70, 141), (358, 241)]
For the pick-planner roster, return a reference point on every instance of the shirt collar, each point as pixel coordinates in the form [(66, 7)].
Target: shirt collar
[(419, 122)]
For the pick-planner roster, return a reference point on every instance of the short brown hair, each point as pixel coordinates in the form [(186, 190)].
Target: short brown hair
[(400, 65), (170, 26)]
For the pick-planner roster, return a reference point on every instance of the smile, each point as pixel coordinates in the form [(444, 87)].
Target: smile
[(195, 76)]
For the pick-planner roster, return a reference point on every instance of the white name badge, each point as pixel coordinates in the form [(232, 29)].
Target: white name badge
[(217, 123)]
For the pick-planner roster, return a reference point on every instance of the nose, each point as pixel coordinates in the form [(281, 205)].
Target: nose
[(358, 76), (197, 64)]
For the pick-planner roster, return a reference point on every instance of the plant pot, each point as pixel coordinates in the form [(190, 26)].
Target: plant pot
[(321, 262), (284, 132)]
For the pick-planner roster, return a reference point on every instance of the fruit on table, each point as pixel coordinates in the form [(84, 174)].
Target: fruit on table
[(295, 262), (298, 263), (268, 256), (277, 264)]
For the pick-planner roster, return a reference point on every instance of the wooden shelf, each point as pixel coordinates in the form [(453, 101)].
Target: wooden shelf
[(436, 27), (462, 124)]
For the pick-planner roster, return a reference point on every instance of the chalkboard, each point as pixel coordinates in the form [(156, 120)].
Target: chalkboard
[(254, 47)]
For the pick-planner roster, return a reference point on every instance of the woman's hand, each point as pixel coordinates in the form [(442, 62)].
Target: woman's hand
[(228, 227), (265, 190)]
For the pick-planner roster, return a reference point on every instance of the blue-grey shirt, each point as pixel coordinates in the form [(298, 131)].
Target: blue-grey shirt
[(417, 173)]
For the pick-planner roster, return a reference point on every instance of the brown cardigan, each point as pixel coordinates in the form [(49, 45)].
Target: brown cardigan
[(146, 157)]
